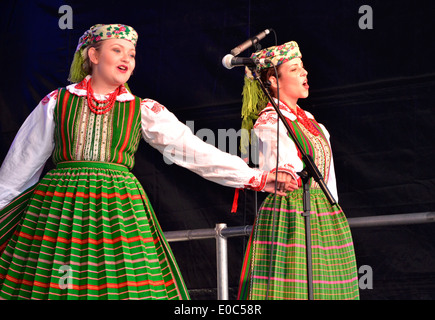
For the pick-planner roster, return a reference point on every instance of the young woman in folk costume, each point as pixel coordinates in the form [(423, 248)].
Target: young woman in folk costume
[(285, 277), (86, 230)]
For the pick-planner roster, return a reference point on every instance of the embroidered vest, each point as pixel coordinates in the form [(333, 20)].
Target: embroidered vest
[(81, 135)]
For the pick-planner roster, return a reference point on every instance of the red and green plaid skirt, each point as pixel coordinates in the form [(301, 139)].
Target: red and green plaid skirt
[(334, 268), (85, 231)]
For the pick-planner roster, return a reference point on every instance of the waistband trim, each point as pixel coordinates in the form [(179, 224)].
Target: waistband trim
[(92, 164)]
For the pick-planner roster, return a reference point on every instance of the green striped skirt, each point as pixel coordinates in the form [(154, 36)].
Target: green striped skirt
[(333, 260), (86, 231)]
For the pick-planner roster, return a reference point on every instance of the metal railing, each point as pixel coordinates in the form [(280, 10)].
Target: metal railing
[(221, 233)]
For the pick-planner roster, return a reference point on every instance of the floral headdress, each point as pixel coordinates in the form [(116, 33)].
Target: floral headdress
[(254, 98), (95, 34)]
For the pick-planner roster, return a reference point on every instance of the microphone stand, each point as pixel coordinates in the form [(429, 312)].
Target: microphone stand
[(310, 171)]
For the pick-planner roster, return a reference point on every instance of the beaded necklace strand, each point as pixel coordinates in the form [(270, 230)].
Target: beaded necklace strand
[(103, 106), (302, 118)]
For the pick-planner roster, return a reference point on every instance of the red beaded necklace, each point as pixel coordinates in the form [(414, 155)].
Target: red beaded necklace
[(104, 105), (303, 119)]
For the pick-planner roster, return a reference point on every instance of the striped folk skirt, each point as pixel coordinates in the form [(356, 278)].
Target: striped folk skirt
[(333, 260), (86, 231)]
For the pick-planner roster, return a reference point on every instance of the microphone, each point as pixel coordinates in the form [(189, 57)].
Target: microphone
[(250, 42), (230, 61)]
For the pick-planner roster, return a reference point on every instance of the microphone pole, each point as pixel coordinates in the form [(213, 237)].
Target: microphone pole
[(310, 171), (250, 42)]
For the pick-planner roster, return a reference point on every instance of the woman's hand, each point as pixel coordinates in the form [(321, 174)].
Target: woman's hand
[(285, 182)]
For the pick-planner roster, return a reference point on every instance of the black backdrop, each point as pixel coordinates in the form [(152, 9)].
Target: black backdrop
[(372, 88)]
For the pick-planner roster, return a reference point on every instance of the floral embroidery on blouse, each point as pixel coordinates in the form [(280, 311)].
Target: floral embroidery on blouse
[(152, 105), (52, 95)]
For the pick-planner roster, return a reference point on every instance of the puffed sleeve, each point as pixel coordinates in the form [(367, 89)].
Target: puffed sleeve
[(163, 131), (29, 151)]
